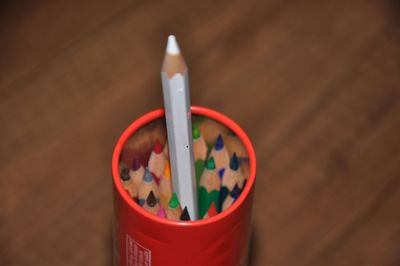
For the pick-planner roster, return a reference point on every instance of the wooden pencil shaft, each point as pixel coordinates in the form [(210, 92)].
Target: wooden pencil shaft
[(174, 64), (179, 131)]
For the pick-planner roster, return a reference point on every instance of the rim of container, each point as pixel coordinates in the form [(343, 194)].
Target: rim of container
[(195, 110)]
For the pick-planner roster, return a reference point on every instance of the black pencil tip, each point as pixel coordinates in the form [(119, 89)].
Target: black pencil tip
[(151, 199), (235, 193), (125, 174), (185, 215)]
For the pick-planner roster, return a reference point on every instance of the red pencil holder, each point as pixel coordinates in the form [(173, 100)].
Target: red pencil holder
[(141, 238)]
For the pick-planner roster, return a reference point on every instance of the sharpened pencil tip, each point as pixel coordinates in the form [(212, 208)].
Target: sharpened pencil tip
[(185, 215), (172, 46)]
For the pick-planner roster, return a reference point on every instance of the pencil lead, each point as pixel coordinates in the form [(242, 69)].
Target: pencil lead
[(196, 132), (185, 215), (212, 211), (151, 199), (210, 164), (236, 192), (135, 164), (158, 148), (161, 213), (234, 163), (148, 177), (172, 46), (167, 171), (125, 174), (174, 202), (219, 144)]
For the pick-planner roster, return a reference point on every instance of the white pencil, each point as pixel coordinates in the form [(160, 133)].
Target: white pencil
[(174, 76)]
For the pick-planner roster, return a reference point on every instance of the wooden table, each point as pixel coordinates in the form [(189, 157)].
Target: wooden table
[(314, 83)]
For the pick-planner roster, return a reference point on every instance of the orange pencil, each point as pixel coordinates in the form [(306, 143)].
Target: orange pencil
[(165, 186)]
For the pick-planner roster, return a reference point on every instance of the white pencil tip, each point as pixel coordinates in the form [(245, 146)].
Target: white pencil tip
[(172, 45)]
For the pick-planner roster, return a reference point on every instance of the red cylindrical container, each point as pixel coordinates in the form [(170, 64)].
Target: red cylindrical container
[(142, 238)]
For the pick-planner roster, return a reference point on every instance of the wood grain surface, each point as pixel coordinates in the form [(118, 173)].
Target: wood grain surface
[(314, 83)]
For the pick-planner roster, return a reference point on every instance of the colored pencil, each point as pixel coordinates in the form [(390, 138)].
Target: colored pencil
[(174, 75), (146, 187), (157, 161), (174, 209), (231, 177), (200, 152), (221, 155), (166, 151), (185, 215), (136, 173), (127, 182), (234, 167), (161, 213), (122, 166), (234, 144), (210, 129), (165, 186), (209, 187), (199, 145), (212, 211), (245, 167), (231, 198), (151, 204)]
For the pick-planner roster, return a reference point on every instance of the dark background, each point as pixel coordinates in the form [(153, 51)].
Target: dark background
[(314, 83)]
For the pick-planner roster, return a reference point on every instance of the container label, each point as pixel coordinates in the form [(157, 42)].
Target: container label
[(136, 254)]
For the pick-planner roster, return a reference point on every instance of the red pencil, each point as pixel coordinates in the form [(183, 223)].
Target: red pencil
[(212, 211), (157, 160)]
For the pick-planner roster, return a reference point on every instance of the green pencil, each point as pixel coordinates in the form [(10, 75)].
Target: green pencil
[(199, 152), (209, 187)]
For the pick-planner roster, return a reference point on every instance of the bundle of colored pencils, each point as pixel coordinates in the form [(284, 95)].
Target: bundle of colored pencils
[(219, 176), (208, 179)]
